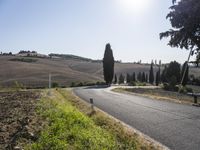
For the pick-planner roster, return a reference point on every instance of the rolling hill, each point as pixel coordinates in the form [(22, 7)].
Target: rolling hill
[(34, 72)]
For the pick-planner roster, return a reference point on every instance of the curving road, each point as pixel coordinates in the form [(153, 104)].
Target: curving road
[(175, 125)]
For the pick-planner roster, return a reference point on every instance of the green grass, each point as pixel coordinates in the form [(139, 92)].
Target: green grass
[(68, 128), (125, 138), (70, 124)]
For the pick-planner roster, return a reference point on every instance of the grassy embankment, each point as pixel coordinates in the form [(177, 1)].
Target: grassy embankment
[(71, 125), (158, 94)]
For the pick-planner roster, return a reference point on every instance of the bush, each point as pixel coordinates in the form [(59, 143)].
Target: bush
[(132, 83), (55, 84), (18, 85), (72, 84), (186, 90), (80, 84), (189, 90), (166, 86), (141, 84)]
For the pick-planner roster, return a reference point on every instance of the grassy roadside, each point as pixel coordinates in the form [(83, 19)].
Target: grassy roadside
[(157, 94), (71, 125)]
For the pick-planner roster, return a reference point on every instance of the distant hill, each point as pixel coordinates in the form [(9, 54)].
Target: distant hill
[(33, 71), (69, 56)]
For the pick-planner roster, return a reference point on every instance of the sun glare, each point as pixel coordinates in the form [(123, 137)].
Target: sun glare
[(134, 6)]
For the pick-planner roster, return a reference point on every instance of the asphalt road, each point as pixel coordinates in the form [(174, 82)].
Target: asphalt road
[(177, 126)]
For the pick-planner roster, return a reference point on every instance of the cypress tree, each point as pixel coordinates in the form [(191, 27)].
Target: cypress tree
[(115, 81), (151, 74), (146, 78), (163, 75), (108, 64), (133, 77), (143, 77), (121, 79), (158, 77), (128, 78), (139, 77)]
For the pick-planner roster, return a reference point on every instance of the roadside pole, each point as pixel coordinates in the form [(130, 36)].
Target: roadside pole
[(49, 92), (49, 80)]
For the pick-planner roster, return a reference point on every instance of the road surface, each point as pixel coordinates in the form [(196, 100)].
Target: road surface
[(177, 126)]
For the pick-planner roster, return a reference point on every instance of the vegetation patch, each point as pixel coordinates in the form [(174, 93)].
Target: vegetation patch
[(27, 60), (68, 128), (124, 138), (158, 94)]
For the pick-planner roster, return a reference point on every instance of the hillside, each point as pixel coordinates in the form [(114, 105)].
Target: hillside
[(34, 71)]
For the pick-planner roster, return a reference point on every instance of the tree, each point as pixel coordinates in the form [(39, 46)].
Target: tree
[(143, 77), (151, 74), (139, 77), (163, 75), (108, 64), (198, 59), (174, 69), (160, 63), (128, 78), (185, 21), (115, 81), (146, 78), (184, 73), (121, 79), (158, 77), (133, 77)]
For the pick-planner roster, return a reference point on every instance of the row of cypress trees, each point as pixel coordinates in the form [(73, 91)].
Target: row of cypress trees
[(171, 73)]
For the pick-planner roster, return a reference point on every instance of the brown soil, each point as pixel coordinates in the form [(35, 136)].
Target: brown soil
[(18, 121)]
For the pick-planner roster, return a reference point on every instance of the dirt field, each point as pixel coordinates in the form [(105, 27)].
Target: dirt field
[(18, 120)]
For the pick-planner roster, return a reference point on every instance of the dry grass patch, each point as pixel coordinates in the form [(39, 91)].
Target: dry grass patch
[(157, 94)]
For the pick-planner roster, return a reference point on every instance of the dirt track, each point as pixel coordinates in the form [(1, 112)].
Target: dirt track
[(18, 122)]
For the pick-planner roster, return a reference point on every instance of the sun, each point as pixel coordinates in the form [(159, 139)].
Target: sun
[(134, 6)]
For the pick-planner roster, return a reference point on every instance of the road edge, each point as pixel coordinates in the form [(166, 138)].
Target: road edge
[(129, 128)]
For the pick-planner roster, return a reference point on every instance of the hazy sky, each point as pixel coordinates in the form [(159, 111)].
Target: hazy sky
[(83, 27)]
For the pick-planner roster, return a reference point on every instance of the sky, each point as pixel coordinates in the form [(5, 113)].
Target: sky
[(84, 27)]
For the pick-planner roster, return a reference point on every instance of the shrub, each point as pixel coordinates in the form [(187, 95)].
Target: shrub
[(55, 84), (18, 85), (72, 84), (80, 84), (132, 83), (185, 90), (166, 86), (189, 90), (141, 84)]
